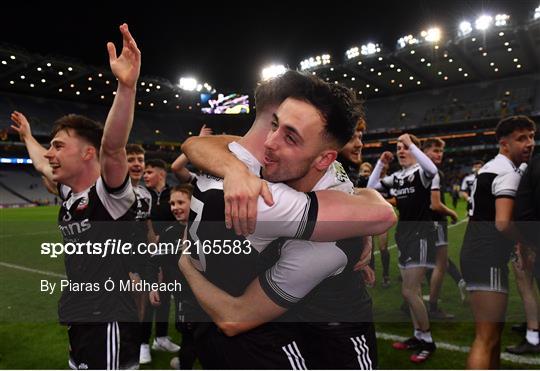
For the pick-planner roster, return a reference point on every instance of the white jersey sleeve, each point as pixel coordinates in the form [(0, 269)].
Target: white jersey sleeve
[(292, 215), (436, 183), (302, 266), (506, 185), (116, 201)]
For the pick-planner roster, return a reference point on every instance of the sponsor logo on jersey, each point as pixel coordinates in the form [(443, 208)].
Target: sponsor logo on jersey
[(405, 191), (75, 228)]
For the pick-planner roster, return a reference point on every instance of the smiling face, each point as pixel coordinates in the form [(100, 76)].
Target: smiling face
[(66, 154), (519, 145), (352, 151), (405, 158), (180, 202), (135, 166), (296, 142)]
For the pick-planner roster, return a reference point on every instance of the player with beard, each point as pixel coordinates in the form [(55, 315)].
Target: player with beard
[(490, 237), (299, 135)]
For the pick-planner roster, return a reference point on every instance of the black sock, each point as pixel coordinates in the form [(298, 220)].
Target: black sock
[(385, 259), (453, 271), (433, 306)]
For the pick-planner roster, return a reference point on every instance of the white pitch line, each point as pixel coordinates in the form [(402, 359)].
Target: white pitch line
[(457, 348), (381, 335), (32, 270), (450, 226), (28, 234)]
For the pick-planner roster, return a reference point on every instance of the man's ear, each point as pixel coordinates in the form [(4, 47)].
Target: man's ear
[(89, 153), (325, 159)]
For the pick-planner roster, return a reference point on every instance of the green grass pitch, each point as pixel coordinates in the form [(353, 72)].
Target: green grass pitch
[(31, 338)]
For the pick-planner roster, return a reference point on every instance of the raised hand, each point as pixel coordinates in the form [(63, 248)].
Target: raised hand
[(127, 66), (386, 157), (21, 125), (406, 140), (205, 131)]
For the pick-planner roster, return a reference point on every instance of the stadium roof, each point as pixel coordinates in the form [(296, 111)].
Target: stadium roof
[(228, 51)]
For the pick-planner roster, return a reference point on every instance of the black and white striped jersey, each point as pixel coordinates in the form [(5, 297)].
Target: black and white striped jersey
[(412, 189), (497, 178), (96, 214)]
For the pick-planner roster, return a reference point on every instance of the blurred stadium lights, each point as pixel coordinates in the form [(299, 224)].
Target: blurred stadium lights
[(465, 28), (407, 40), (272, 71), (187, 83), (537, 13), (501, 20), (431, 35), (352, 52), (369, 49), (315, 61), (483, 22)]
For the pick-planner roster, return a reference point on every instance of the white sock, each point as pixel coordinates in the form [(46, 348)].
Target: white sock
[(532, 337), (418, 334), (426, 336)]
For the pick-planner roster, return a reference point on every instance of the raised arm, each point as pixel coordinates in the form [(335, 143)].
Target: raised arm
[(179, 168), (430, 169), (35, 150), (126, 68), (375, 177)]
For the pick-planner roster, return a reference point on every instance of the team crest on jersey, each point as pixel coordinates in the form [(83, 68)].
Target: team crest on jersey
[(410, 178), (341, 174), (83, 204)]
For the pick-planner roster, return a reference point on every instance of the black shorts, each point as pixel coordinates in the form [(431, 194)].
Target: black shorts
[(111, 345), (488, 274), (418, 252), (342, 346), (266, 347), (441, 234)]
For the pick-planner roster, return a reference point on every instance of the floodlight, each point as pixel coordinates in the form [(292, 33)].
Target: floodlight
[(273, 71), (407, 40), (483, 22), (465, 28), (370, 48), (501, 20), (537, 13), (187, 83), (432, 35), (352, 53)]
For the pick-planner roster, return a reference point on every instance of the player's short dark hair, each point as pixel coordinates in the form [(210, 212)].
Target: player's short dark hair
[(414, 139), (184, 188), (85, 128), (478, 162), (338, 105), (433, 142), (136, 149), (156, 162), (510, 124), (277, 89)]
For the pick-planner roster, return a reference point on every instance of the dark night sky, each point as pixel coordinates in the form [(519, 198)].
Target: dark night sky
[(228, 45)]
